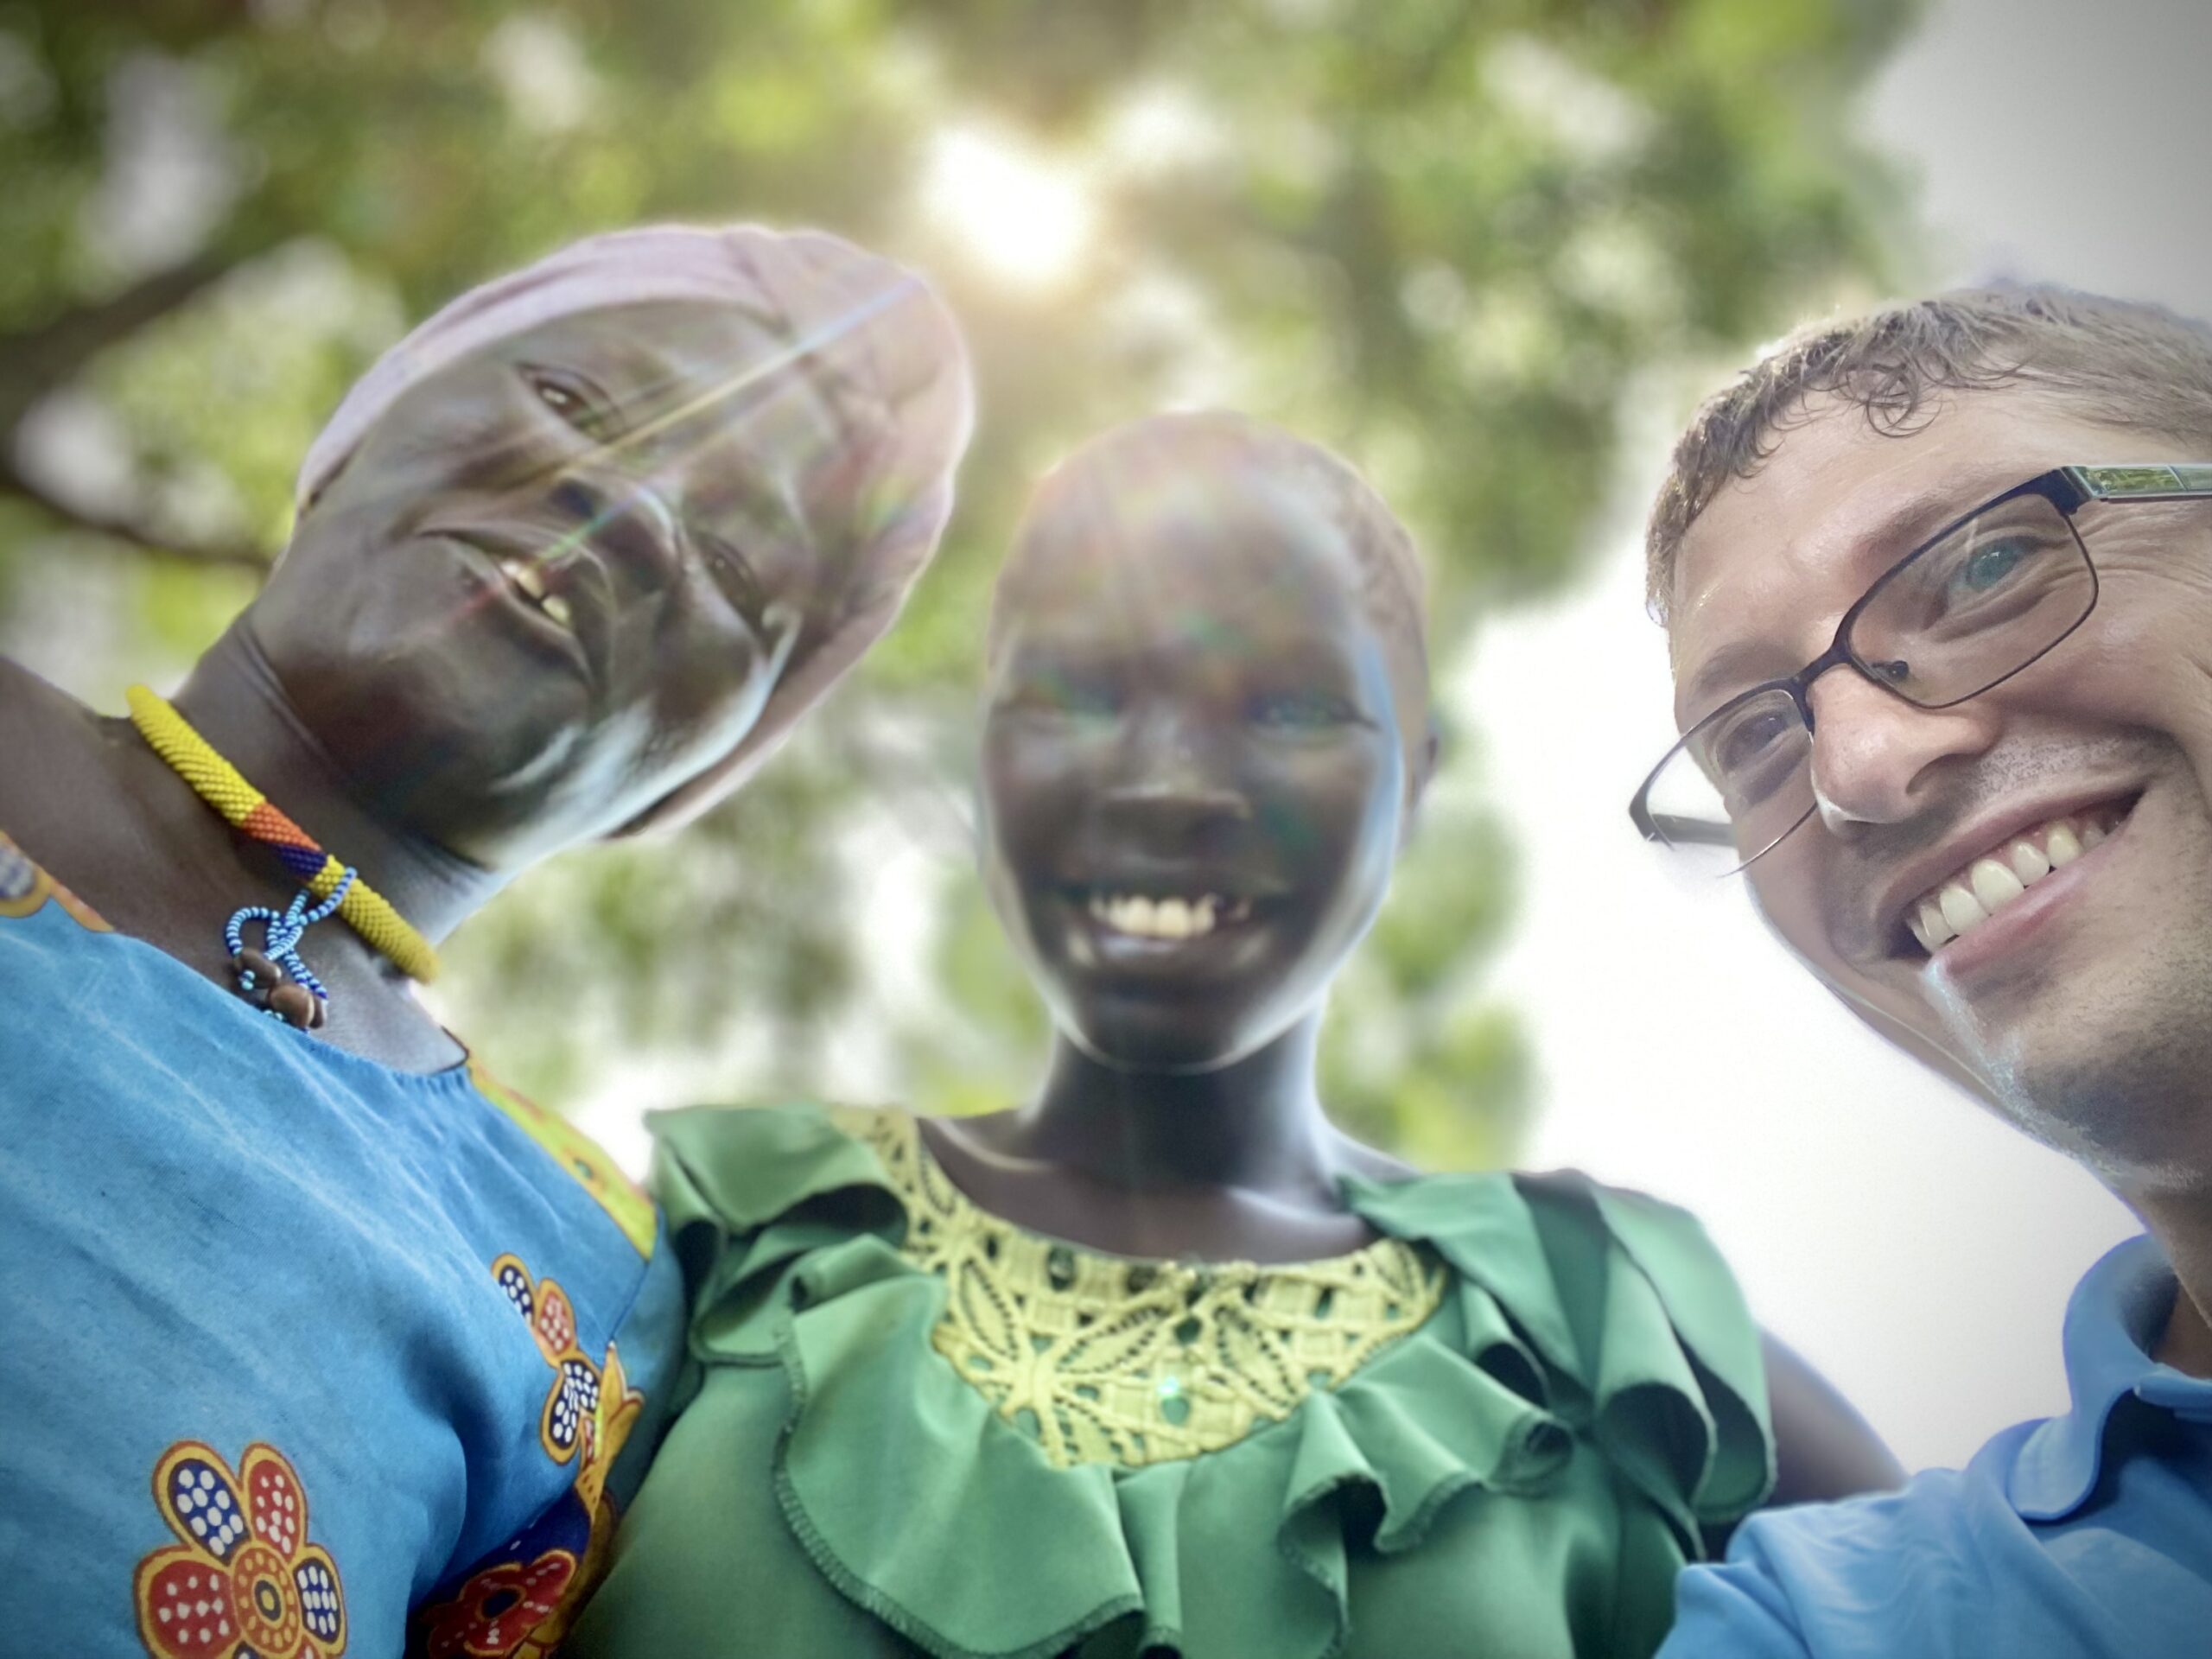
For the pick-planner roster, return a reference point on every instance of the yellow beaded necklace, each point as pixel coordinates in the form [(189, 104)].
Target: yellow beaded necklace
[(247, 810)]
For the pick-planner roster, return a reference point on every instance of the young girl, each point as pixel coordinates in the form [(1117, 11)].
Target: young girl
[(1160, 1363)]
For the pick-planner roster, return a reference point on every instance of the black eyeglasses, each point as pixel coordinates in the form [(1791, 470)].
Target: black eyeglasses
[(1987, 594)]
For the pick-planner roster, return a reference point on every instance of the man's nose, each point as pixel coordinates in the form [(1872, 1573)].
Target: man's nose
[(1874, 754)]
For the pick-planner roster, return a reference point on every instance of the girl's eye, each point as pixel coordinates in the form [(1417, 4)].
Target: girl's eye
[(1302, 710), (1062, 695)]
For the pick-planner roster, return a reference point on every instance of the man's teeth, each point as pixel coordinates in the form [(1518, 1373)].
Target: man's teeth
[(1970, 898), (1166, 918), (526, 575)]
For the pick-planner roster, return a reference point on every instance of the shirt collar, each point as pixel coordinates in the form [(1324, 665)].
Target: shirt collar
[(2113, 1320)]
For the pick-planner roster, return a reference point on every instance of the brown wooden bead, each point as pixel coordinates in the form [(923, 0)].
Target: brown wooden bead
[(321, 1013), (295, 1002), (266, 974)]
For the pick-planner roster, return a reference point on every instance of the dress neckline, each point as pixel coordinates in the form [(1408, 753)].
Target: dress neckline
[(1125, 1360), (900, 1132)]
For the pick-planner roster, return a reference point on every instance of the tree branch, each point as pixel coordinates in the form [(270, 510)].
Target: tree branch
[(35, 361), (122, 531)]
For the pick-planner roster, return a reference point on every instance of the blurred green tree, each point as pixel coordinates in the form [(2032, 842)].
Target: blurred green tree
[(1443, 236)]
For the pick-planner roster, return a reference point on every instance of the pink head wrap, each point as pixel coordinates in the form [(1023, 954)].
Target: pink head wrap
[(875, 335)]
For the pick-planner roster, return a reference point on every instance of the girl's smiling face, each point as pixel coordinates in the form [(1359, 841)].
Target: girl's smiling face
[(1194, 782)]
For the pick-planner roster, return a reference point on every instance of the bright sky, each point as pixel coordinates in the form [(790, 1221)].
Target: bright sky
[(1916, 1249)]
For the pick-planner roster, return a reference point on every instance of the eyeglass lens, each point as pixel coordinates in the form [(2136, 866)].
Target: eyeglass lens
[(1964, 612)]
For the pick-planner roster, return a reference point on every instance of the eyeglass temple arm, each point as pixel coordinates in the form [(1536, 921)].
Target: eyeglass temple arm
[(2155, 482), (1677, 831)]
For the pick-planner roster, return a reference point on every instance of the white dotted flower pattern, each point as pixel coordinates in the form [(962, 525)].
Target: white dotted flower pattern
[(244, 1583)]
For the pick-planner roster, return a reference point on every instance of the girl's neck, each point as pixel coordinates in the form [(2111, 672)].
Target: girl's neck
[(1255, 1124)]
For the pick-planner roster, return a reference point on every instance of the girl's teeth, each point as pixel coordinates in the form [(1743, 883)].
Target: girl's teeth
[(1161, 919), (2061, 848), (556, 607), (2092, 833)]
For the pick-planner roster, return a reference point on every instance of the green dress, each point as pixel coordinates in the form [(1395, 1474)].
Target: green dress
[(913, 1428)]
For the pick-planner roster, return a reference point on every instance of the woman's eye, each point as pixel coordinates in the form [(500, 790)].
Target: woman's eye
[(581, 405), (733, 574)]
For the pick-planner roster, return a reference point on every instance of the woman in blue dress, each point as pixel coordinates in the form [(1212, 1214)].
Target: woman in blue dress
[(317, 1339)]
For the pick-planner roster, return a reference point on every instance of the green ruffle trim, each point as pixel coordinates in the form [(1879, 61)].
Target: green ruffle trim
[(924, 1507)]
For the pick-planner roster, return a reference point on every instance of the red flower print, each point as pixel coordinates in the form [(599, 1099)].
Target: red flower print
[(497, 1611)]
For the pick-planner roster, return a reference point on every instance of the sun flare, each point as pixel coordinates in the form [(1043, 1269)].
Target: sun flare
[(1024, 216)]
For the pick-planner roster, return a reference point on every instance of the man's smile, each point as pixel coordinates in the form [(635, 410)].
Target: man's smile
[(1987, 883)]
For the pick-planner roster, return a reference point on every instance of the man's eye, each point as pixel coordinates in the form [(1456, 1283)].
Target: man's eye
[(1752, 753), (1746, 741), (1990, 565)]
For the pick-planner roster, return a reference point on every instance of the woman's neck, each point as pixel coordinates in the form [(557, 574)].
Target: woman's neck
[(234, 700)]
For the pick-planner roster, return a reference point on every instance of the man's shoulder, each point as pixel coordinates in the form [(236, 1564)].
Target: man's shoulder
[(1937, 1510), (1893, 1573), (1947, 1564)]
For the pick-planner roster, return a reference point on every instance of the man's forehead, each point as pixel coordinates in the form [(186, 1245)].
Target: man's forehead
[(1776, 558)]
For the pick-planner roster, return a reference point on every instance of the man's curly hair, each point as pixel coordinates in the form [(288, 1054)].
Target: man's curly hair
[(2134, 367)]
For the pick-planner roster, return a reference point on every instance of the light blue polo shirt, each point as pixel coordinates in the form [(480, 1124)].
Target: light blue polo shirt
[(2085, 1536)]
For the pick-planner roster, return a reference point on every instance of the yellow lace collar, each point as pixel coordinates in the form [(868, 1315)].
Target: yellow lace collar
[(1108, 1359)]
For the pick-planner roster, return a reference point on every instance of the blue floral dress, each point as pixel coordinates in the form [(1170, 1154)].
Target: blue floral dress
[(304, 1356)]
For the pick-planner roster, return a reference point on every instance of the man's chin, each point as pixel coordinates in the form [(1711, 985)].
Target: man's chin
[(2128, 1104)]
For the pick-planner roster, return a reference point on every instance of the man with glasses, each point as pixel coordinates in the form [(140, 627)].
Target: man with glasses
[(1938, 586)]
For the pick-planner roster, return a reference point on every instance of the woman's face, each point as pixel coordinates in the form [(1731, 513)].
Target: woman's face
[(1193, 781), (560, 576)]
